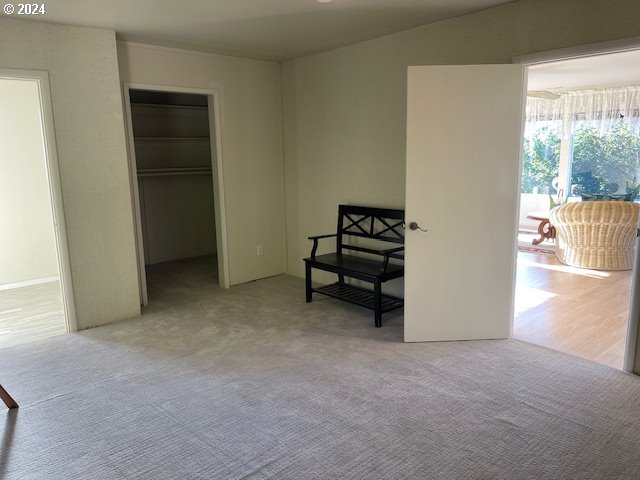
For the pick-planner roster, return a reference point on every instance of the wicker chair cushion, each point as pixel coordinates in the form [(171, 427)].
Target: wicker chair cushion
[(599, 235)]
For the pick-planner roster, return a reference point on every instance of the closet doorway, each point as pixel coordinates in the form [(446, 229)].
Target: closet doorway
[(176, 177)]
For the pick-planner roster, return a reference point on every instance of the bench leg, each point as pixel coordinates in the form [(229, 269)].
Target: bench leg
[(340, 278), (307, 281), (377, 298)]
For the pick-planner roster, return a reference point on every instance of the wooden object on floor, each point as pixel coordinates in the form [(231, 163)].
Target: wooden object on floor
[(382, 225), (7, 399), (545, 229)]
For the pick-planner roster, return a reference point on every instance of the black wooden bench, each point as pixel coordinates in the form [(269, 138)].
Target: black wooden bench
[(380, 226)]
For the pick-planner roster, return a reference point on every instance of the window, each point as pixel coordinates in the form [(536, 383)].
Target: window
[(541, 157), (581, 142), (604, 162)]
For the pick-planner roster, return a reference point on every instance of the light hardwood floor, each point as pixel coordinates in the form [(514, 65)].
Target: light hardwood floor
[(574, 310), (30, 313)]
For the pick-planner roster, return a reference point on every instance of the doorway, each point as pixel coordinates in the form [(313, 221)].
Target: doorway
[(581, 143), (177, 187), (35, 286), (473, 289)]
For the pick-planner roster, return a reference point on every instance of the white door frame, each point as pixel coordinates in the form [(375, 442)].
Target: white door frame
[(41, 77), (632, 348), (580, 51), (213, 97)]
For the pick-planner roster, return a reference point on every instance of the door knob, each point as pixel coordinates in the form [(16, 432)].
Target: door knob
[(415, 226)]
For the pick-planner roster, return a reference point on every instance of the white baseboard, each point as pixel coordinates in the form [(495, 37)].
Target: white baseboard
[(29, 283)]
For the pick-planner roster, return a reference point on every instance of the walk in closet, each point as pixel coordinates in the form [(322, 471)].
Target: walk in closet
[(174, 174)]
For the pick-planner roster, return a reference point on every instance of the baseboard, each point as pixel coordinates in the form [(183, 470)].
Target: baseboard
[(29, 283)]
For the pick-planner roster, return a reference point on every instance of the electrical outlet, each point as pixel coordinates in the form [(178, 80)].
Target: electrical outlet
[(259, 250)]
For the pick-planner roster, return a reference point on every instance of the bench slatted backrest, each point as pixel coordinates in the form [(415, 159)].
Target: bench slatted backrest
[(383, 224)]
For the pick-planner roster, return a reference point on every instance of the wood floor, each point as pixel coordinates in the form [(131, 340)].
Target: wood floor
[(574, 310), (30, 313)]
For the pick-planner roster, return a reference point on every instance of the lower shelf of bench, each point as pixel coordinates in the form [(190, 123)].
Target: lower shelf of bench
[(359, 296)]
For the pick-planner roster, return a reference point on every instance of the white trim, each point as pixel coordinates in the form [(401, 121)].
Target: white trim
[(215, 128), (518, 194), (632, 346), (55, 188), (215, 120), (135, 200), (29, 283), (283, 166), (183, 51), (581, 51)]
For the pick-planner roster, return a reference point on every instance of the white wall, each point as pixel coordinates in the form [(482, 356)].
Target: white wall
[(345, 110), (88, 117), (251, 131), (27, 240)]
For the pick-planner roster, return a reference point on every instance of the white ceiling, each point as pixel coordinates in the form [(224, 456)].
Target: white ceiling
[(268, 29), (610, 70)]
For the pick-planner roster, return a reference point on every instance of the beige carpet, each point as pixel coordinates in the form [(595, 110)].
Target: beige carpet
[(252, 383)]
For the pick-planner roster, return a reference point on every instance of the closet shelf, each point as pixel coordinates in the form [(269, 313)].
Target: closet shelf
[(161, 105), (161, 172), (162, 139)]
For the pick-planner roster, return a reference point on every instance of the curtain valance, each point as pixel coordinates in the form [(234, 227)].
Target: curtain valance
[(601, 108)]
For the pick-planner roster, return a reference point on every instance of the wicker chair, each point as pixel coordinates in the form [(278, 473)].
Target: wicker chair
[(599, 234)]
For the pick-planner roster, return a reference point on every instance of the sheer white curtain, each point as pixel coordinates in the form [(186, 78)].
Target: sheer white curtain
[(602, 107)]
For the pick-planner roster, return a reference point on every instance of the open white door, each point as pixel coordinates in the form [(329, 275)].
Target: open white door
[(464, 135)]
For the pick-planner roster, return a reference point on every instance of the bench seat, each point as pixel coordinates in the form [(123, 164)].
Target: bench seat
[(367, 269), (383, 231)]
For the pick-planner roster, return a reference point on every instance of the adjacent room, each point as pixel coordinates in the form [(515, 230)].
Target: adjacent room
[(31, 306), (581, 144), (203, 157)]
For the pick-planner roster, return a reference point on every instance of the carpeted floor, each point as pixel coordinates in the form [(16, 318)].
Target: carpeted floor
[(252, 383)]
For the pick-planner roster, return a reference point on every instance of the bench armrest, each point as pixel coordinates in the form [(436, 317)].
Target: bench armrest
[(387, 254), (322, 236), (315, 239)]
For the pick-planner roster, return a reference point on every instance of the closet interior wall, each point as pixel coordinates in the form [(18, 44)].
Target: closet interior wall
[(173, 160)]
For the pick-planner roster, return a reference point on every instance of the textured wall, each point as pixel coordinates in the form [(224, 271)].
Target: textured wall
[(27, 240), (251, 130), (87, 111), (345, 110)]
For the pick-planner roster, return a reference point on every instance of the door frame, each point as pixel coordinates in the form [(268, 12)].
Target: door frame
[(41, 77), (632, 347), (214, 112)]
